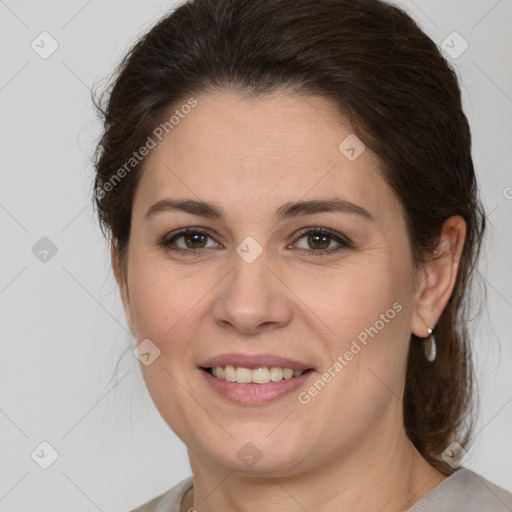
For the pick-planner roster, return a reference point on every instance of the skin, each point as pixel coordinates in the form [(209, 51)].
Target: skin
[(347, 448)]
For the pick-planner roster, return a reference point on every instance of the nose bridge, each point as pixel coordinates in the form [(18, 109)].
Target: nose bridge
[(252, 295)]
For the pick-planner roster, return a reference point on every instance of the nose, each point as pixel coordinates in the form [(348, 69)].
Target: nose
[(253, 299)]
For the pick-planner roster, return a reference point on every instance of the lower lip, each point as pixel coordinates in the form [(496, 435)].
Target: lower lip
[(255, 394)]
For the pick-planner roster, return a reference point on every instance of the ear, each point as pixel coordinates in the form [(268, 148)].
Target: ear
[(438, 277), (121, 282)]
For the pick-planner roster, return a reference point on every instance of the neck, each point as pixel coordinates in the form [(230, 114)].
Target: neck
[(388, 478)]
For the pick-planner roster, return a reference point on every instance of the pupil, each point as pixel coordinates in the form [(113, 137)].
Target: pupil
[(196, 238), (325, 238), (315, 239)]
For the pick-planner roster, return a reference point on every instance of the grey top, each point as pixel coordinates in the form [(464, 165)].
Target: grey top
[(463, 491)]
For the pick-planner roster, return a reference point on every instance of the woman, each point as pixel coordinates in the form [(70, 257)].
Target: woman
[(294, 220)]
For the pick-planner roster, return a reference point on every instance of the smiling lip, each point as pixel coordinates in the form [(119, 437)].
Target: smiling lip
[(252, 362), (254, 394), (251, 393)]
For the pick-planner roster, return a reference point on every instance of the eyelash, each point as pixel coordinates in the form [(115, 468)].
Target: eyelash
[(345, 243)]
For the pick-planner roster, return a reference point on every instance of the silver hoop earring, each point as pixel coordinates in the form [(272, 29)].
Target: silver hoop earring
[(429, 346)]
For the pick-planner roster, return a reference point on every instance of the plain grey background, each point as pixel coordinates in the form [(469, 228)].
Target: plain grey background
[(62, 325)]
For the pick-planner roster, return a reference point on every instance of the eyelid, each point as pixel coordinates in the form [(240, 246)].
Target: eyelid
[(343, 241), (333, 234), (170, 237)]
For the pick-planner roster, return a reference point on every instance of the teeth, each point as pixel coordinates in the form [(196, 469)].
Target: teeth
[(276, 374), (243, 375), (262, 375), (229, 373)]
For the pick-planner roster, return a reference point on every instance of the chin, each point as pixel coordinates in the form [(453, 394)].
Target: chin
[(252, 454)]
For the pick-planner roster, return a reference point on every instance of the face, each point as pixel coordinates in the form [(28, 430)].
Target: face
[(300, 262)]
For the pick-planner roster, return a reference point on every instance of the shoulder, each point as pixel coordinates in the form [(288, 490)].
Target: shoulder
[(169, 501), (465, 491)]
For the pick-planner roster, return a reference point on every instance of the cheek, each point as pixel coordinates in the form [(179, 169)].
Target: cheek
[(160, 298), (356, 301), (366, 313), (162, 307), (366, 358)]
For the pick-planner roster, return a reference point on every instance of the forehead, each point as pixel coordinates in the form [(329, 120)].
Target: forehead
[(275, 148)]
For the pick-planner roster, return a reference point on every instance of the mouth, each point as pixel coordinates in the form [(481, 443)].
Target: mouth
[(261, 375), (254, 379)]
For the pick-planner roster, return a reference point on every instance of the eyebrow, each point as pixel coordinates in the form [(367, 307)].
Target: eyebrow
[(286, 211)]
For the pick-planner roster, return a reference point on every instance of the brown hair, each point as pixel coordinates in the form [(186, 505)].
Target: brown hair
[(403, 100)]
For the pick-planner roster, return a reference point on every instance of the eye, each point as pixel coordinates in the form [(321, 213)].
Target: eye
[(320, 239), (193, 240)]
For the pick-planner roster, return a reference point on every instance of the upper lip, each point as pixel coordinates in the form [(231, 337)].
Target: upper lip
[(253, 361)]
